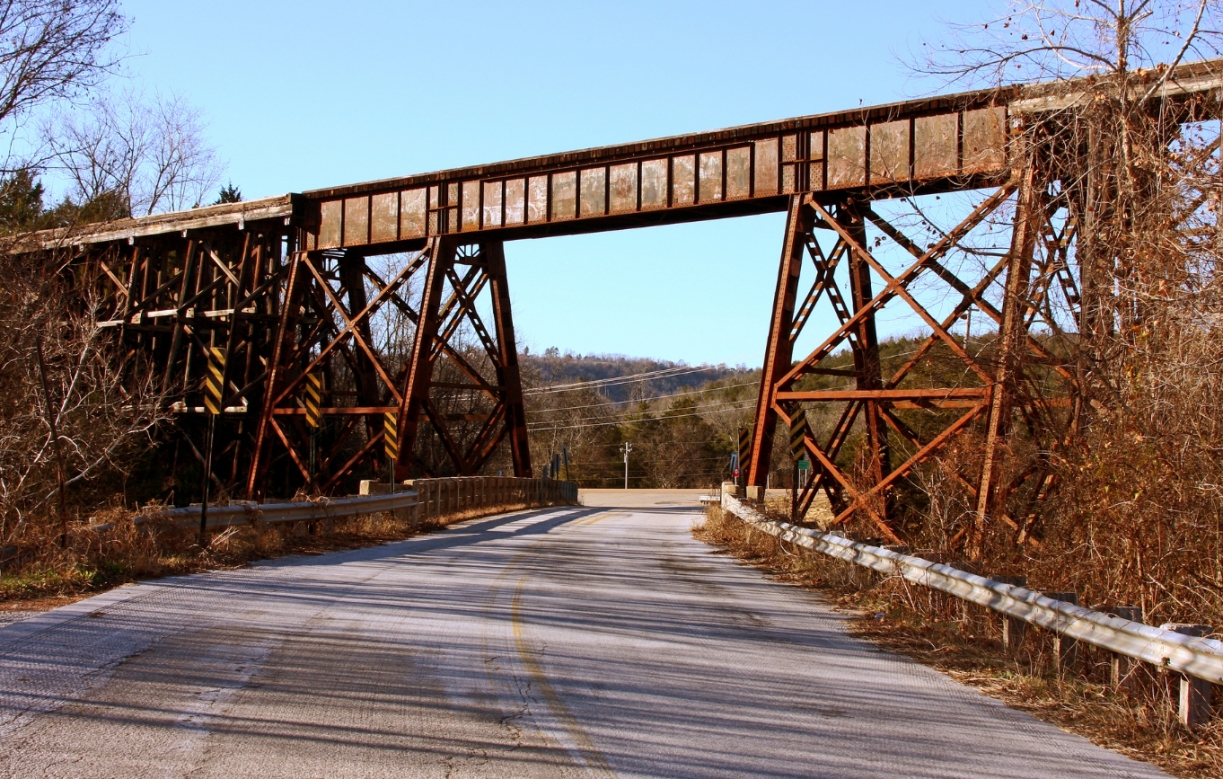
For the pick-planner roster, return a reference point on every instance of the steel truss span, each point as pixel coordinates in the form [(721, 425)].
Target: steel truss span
[(367, 329)]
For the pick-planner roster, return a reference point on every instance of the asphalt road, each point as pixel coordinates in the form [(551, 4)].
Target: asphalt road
[(599, 640)]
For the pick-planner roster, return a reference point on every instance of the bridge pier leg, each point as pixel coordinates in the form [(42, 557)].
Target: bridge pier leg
[(1012, 332), (415, 396), (779, 349), (865, 345), (507, 369), (450, 297)]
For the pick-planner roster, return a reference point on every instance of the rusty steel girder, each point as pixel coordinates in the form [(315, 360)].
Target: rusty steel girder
[(352, 325), (370, 293), (170, 299), (995, 385)]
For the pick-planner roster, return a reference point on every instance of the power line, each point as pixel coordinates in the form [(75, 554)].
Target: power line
[(678, 370), (665, 415), (646, 400), (544, 426)]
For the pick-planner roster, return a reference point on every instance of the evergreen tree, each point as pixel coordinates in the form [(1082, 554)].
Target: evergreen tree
[(21, 207), (229, 194)]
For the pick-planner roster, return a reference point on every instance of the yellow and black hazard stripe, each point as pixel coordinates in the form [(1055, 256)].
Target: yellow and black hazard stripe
[(390, 435), (745, 446), (799, 430), (214, 380), (314, 399)]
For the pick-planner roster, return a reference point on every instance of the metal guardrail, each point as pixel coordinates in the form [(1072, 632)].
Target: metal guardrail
[(426, 498), (303, 511), (1201, 658)]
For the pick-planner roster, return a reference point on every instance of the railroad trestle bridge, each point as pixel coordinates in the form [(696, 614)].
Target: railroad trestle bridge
[(389, 300)]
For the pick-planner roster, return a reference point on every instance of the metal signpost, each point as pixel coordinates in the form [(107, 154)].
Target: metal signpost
[(745, 448), (214, 390), (390, 443), (314, 401), (627, 449), (799, 430)]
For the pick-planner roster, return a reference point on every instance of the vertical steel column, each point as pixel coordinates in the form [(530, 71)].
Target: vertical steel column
[(508, 375), (779, 351), (420, 370), (866, 343), (286, 338), (352, 276), (1019, 265)]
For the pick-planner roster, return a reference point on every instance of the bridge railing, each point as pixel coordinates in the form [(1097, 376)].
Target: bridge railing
[(1199, 660), (419, 501)]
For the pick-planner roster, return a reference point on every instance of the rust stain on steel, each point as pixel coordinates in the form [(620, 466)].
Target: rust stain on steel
[(711, 177), (654, 184), (623, 188), (564, 195), (890, 151), (515, 201), (471, 205), (356, 221), (683, 180), (846, 157), (594, 192), (492, 204), (537, 199), (815, 155), (984, 140), (738, 173), (384, 217), (935, 145), (412, 213), (331, 219), (766, 167)]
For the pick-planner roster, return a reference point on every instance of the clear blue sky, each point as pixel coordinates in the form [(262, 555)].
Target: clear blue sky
[(310, 94)]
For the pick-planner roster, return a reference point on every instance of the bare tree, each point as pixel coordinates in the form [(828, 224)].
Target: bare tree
[(1053, 40), (99, 406), (67, 390), (150, 152), (1136, 516), (53, 49)]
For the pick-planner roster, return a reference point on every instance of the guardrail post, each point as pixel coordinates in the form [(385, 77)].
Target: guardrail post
[(1014, 629), (1195, 693), (1065, 650), (1120, 667)]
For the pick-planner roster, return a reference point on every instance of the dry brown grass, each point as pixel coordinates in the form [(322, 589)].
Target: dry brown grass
[(964, 642), (40, 574)]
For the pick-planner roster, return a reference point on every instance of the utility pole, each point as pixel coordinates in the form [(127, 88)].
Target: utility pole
[(627, 449)]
